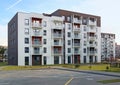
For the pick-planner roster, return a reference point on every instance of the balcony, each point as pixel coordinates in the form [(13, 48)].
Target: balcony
[(37, 43), (76, 52), (76, 44), (37, 25), (91, 45), (57, 35), (91, 38), (76, 37), (37, 34), (91, 52), (57, 53), (76, 29), (37, 52), (76, 21), (92, 29), (92, 22), (57, 44)]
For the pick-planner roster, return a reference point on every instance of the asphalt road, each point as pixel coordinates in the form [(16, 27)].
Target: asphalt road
[(51, 77)]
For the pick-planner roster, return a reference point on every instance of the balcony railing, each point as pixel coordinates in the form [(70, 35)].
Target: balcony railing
[(91, 52), (57, 35), (36, 25), (57, 44), (76, 52), (38, 52), (77, 36), (76, 44), (76, 21), (37, 34), (37, 43), (57, 53), (92, 22), (91, 37), (76, 29)]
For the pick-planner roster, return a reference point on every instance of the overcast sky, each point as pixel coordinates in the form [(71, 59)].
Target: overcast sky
[(107, 9)]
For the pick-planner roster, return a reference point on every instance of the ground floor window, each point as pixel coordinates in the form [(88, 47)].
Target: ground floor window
[(76, 59), (26, 60), (84, 59), (69, 59), (45, 60), (56, 59)]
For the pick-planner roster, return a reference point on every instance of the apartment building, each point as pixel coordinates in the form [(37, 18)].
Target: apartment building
[(117, 50), (57, 38), (35, 39), (107, 46), (81, 37)]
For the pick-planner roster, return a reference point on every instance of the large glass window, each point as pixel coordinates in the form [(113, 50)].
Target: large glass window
[(69, 50), (27, 60), (69, 34), (45, 50)]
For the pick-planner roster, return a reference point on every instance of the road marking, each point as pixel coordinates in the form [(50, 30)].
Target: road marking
[(69, 81), (89, 78)]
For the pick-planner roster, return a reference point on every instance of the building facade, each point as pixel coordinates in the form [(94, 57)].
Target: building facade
[(58, 38), (107, 46), (81, 37), (117, 50)]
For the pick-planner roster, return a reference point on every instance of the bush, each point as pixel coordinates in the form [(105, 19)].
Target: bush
[(77, 65)]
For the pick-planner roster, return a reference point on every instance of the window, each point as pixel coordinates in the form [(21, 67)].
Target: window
[(85, 36), (84, 50), (26, 40), (69, 59), (26, 60), (26, 30), (84, 59), (69, 50), (26, 21), (45, 50), (44, 32), (85, 43), (56, 59), (26, 49), (44, 23), (45, 60), (69, 26), (44, 41), (69, 42), (84, 28), (68, 18), (36, 50), (69, 34)]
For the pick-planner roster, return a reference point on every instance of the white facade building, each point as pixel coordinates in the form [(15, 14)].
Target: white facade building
[(58, 38), (107, 46)]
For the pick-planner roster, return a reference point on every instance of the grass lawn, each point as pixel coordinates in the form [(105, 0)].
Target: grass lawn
[(3, 63), (96, 67), (109, 81)]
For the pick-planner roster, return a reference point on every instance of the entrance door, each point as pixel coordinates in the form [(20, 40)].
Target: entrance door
[(36, 60)]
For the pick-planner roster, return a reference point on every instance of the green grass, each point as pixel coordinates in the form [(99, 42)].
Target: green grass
[(7, 68), (95, 67), (3, 63), (109, 81)]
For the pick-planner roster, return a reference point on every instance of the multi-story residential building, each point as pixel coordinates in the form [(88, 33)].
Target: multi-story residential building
[(57, 38), (81, 36), (117, 50), (107, 46), (35, 39)]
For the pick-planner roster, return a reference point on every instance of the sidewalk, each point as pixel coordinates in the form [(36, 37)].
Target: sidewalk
[(91, 72)]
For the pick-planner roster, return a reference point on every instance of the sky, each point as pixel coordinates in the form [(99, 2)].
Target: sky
[(107, 9)]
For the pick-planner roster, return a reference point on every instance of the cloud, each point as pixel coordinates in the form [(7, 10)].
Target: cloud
[(14, 4)]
